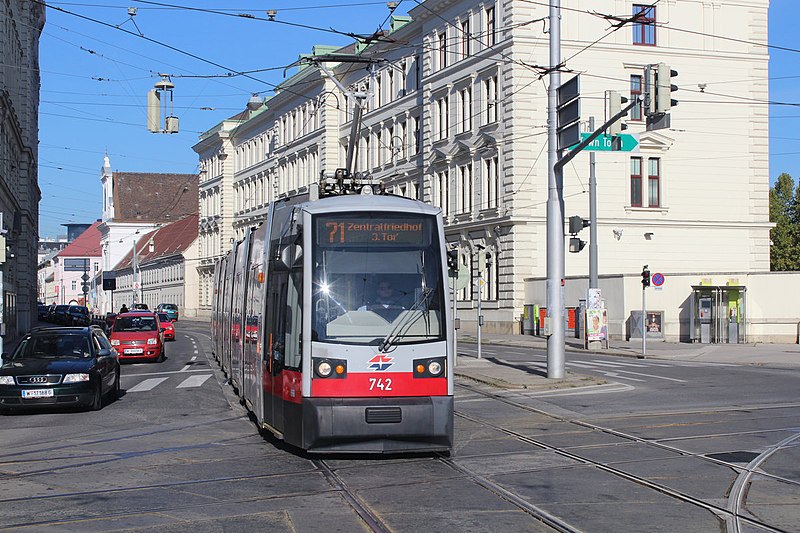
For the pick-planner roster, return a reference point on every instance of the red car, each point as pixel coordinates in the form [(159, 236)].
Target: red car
[(138, 336), (169, 327)]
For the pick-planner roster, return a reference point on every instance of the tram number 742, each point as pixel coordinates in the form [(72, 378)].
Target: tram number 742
[(380, 384)]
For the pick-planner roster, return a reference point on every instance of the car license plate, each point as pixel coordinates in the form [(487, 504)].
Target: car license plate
[(133, 351), (37, 393)]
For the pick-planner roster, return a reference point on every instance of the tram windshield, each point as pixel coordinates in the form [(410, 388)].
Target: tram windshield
[(377, 279)]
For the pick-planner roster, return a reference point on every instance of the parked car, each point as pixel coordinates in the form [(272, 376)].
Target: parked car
[(166, 324), (170, 309), (78, 315), (138, 336), (42, 311), (51, 311), (140, 306), (60, 315), (60, 367)]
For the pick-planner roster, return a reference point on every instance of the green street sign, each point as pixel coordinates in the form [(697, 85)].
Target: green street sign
[(605, 143)]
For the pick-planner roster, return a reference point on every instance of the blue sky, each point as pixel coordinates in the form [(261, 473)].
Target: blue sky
[(97, 64)]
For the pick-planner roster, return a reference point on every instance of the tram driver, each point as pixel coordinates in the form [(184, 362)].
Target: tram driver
[(385, 298)]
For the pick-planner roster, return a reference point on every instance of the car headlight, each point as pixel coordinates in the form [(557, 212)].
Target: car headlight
[(75, 378), (114, 342), (152, 340), (6, 380)]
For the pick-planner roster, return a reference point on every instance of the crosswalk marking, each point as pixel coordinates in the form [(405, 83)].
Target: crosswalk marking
[(194, 381), (146, 385)]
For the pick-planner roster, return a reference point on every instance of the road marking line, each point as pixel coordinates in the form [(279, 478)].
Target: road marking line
[(618, 364), (194, 358), (129, 376), (146, 385), (193, 381)]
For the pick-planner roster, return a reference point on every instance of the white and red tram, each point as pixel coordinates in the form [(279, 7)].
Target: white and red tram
[(298, 331)]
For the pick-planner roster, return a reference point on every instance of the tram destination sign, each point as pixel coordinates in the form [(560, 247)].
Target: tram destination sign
[(358, 231)]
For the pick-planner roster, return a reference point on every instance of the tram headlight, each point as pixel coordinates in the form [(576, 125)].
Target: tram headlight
[(324, 369), (433, 367), (329, 368)]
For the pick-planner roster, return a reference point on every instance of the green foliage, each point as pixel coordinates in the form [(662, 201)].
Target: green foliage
[(784, 211)]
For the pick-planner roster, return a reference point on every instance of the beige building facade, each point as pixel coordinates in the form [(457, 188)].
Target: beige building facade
[(457, 117)]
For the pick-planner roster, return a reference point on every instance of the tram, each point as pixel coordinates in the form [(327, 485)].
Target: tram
[(330, 320)]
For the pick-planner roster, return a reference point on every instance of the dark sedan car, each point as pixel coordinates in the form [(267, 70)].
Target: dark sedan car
[(54, 367), (60, 315), (77, 315)]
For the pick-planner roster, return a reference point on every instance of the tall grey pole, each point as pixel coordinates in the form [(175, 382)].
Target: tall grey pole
[(555, 209), (480, 317), (593, 281), (644, 320)]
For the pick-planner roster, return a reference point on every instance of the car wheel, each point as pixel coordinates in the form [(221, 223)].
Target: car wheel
[(161, 356), (97, 399), (113, 394)]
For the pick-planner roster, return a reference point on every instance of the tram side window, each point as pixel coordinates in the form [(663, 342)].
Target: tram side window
[(294, 320)]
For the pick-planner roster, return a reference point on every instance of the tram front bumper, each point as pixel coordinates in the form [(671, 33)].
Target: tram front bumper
[(378, 425)]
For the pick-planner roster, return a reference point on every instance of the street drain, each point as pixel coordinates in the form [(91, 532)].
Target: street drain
[(734, 457)]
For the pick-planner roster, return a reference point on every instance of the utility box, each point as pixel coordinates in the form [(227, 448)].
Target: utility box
[(529, 320)]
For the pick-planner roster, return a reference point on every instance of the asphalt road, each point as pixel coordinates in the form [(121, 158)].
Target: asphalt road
[(662, 447)]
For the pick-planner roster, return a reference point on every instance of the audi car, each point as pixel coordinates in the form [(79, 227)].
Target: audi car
[(55, 367)]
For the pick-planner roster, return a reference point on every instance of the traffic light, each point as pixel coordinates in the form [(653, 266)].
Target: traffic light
[(615, 101), (576, 244), (658, 88), (576, 224), (665, 88), (645, 277), (452, 261)]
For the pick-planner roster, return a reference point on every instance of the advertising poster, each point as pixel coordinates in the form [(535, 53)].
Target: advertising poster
[(654, 322), (595, 327)]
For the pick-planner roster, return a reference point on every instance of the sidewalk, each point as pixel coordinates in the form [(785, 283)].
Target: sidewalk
[(752, 353), (493, 371)]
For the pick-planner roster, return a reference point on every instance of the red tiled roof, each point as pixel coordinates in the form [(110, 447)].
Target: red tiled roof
[(167, 240), (154, 197), (87, 244)]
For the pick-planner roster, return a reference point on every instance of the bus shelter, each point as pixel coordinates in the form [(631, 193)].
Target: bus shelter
[(718, 314)]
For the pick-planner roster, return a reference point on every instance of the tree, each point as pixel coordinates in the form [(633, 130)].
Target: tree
[(784, 211)]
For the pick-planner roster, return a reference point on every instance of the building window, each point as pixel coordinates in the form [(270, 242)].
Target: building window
[(465, 196), (390, 82), (654, 182), (490, 99), (636, 92), (492, 183), (490, 290), (442, 50), (441, 198), (443, 116), (636, 182), (644, 28), (653, 198), (465, 109), (74, 285), (491, 37), (417, 136), (465, 39)]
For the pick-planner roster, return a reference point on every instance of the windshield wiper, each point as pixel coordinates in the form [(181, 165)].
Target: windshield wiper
[(407, 321)]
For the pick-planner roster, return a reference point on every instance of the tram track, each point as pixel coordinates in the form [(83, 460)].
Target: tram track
[(731, 512), (359, 506)]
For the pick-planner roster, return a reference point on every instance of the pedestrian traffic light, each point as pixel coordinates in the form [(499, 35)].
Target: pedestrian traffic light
[(452, 261), (615, 101), (645, 277)]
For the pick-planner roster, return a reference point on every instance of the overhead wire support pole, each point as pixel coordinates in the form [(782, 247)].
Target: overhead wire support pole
[(555, 209), (593, 276), (358, 96)]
